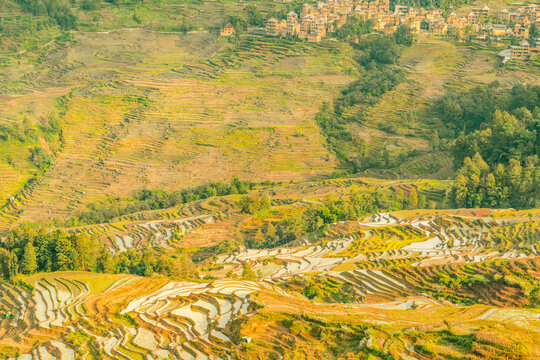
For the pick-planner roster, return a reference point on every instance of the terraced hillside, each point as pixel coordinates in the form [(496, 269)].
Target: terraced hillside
[(208, 222), (145, 107), (181, 320), (120, 237), (404, 119), (172, 131), (368, 257), (461, 283), (74, 315)]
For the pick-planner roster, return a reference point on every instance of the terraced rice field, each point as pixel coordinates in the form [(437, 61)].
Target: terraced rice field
[(432, 261), (158, 233), (209, 221), (52, 308), (245, 109), (179, 320), (429, 240)]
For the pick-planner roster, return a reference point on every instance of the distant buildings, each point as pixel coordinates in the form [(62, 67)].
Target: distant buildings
[(273, 28), (521, 51), (316, 21), (478, 14), (228, 30)]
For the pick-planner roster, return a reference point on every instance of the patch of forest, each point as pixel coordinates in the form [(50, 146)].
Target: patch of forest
[(496, 141)]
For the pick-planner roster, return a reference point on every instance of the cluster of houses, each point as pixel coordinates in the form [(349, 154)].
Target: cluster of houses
[(316, 21)]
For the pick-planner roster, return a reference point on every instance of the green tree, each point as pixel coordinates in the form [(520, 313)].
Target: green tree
[(403, 36), (534, 297), (413, 198), (185, 269), (248, 273), (533, 31), (29, 259), (44, 245), (8, 264), (85, 251), (39, 157), (253, 204), (253, 15), (64, 253)]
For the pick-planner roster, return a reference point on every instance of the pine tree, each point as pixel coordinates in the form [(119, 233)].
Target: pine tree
[(64, 253), (29, 260), (8, 264), (104, 262)]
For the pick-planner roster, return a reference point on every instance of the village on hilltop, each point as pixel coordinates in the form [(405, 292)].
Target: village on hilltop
[(316, 21)]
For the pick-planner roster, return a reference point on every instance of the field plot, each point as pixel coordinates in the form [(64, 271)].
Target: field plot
[(412, 268), (183, 119), (158, 233)]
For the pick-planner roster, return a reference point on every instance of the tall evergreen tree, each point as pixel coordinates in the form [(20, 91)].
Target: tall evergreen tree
[(8, 264), (64, 253), (29, 260)]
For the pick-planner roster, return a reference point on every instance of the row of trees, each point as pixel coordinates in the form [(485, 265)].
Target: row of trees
[(27, 249), (500, 186), (146, 199)]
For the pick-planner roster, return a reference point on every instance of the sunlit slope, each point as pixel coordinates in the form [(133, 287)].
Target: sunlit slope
[(183, 119)]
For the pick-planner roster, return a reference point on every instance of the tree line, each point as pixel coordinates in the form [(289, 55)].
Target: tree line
[(479, 185), (495, 138), (154, 199), (29, 249)]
